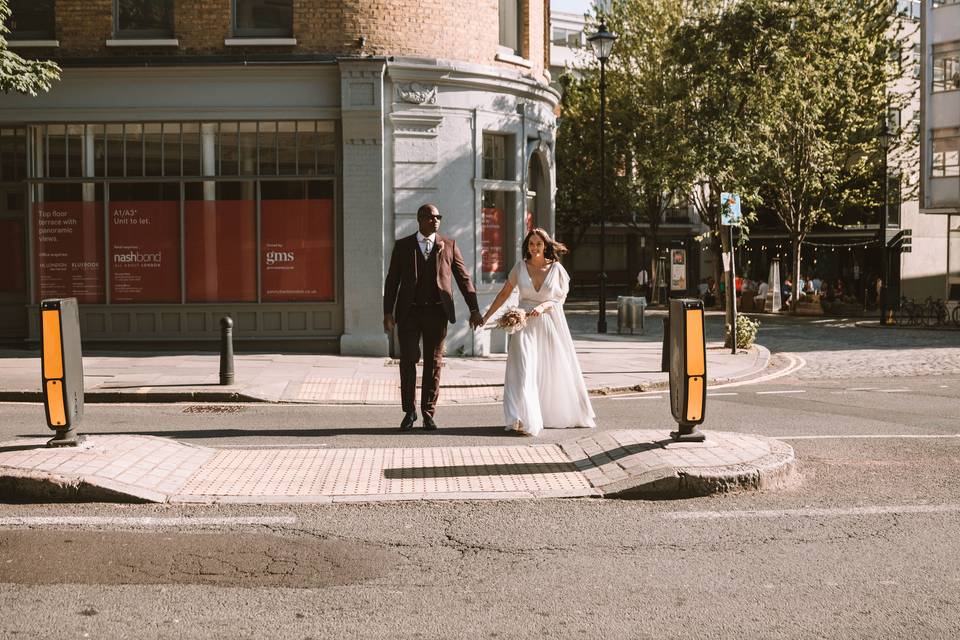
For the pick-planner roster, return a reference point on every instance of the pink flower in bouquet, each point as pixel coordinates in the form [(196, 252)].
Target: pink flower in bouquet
[(513, 320)]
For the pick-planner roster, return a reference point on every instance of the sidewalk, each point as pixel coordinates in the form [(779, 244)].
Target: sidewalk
[(610, 363), (627, 463)]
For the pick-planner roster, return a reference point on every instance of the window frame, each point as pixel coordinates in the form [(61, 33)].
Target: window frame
[(50, 34), (943, 169), (942, 86), (519, 8), (258, 32), (143, 34)]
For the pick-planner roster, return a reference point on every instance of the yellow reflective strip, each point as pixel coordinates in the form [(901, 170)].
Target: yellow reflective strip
[(695, 399), (55, 408), (52, 347), (695, 345)]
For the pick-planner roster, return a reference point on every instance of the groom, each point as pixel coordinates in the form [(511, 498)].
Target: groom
[(419, 290)]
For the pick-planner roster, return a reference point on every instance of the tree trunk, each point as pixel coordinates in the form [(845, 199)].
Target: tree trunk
[(795, 273)]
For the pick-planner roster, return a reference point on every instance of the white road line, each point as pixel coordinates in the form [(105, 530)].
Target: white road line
[(863, 388), (817, 513), (730, 393), (31, 521), (796, 363), (893, 390), (766, 393), (636, 397), (270, 446), (872, 436)]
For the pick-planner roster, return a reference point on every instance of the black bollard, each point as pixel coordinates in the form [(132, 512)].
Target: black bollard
[(665, 353), (226, 350)]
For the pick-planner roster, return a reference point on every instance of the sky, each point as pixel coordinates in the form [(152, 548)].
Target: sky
[(571, 6)]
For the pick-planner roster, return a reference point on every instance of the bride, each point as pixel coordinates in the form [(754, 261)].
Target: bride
[(543, 386)]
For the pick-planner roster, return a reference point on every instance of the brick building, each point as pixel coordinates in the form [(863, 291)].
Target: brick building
[(258, 158)]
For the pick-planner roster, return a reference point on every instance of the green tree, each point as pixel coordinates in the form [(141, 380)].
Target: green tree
[(29, 77), (838, 61), (642, 81), (727, 66)]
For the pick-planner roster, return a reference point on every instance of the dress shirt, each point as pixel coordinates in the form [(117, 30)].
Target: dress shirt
[(426, 243)]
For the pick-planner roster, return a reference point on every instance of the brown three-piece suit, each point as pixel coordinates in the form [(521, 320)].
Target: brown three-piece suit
[(419, 292)]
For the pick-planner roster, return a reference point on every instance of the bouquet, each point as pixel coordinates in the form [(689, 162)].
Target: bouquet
[(514, 319)]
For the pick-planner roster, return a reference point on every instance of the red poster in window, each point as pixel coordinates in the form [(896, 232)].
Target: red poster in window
[(68, 237), (144, 251), (11, 257), (529, 221), (297, 250), (221, 250), (491, 246)]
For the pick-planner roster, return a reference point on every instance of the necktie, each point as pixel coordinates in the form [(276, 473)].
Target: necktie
[(426, 248)]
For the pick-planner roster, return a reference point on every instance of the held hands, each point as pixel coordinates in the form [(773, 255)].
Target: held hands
[(476, 320)]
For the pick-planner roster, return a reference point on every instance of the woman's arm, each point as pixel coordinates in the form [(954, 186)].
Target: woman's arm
[(505, 292)]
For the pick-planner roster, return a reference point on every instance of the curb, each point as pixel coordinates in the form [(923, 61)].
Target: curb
[(135, 397), (774, 471), (875, 324), (19, 486), (108, 397)]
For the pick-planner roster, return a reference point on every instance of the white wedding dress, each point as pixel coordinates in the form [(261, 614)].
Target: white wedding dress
[(543, 385)]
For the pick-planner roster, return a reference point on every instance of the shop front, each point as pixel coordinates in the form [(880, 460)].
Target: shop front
[(161, 228)]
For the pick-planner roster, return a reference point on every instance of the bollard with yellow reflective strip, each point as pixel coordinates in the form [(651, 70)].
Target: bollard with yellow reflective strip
[(61, 369), (688, 368)]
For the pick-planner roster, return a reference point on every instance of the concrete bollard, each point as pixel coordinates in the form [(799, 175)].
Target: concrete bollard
[(226, 350)]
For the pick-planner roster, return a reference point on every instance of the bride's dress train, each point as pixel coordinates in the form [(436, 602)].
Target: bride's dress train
[(543, 386)]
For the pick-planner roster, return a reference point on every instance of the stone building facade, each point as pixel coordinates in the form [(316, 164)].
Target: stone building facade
[(258, 158)]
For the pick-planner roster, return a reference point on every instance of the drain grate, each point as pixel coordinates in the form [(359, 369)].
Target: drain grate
[(213, 408)]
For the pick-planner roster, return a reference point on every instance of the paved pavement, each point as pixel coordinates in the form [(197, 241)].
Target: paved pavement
[(630, 462), (610, 362)]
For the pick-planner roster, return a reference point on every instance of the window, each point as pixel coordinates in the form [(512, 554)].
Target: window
[(946, 70), (498, 208), (232, 194), (511, 23), (144, 18), (155, 149), (496, 236), (942, 3), (909, 9), (495, 162), (31, 20), (263, 18), (946, 153), (567, 38)]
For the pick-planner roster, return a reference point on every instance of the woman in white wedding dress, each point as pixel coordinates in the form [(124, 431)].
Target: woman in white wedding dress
[(543, 385)]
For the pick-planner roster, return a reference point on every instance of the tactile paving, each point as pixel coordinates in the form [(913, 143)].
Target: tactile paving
[(535, 470)]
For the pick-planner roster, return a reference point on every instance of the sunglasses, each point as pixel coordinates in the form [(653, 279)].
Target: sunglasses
[(433, 217)]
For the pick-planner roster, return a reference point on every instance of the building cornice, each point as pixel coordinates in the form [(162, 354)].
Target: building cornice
[(465, 74)]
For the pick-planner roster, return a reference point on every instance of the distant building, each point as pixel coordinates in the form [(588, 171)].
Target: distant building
[(940, 138), (258, 158)]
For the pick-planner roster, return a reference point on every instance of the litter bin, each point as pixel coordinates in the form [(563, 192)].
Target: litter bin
[(630, 313)]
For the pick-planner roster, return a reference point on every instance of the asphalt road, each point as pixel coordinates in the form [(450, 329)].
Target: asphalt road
[(865, 545)]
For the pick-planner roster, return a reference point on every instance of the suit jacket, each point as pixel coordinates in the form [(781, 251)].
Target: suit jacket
[(401, 283)]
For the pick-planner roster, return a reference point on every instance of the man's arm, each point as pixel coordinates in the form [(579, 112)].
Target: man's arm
[(390, 288), (465, 284)]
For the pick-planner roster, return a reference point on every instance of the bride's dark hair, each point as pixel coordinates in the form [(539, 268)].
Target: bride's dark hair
[(553, 249)]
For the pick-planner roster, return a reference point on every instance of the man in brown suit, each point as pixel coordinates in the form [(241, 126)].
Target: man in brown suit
[(419, 290)]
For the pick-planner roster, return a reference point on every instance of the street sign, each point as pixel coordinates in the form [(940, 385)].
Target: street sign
[(730, 209)]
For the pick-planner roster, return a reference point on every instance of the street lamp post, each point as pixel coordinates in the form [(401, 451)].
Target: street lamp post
[(884, 253), (602, 44)]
